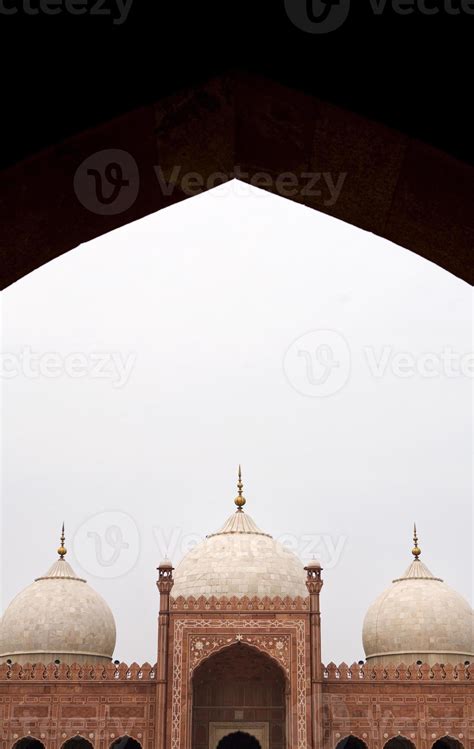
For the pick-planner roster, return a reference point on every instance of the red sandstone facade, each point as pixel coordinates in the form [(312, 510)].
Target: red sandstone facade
[(239, 662)]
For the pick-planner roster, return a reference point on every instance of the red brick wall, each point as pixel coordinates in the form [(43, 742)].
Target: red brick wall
[(422, 704), (63, 704), (55, 703)]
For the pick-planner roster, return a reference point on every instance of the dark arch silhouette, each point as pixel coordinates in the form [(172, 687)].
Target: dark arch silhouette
[(125, 742), (28, 742), (239, 740), (244, 650), (413, 196), (77, 742), (351, 742), (399, 742), (243, 647), (447, 742)]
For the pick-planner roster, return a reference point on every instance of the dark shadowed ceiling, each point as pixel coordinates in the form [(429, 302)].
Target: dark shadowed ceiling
[(63, 74)]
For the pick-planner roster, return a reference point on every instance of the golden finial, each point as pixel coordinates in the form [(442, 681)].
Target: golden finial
[(240, 499), (416, 551), (62, 551)]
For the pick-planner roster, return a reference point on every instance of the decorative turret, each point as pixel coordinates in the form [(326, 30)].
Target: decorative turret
[(165, 577), (314, 581), (164, 584)]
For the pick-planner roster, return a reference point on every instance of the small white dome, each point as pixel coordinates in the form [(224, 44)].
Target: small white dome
[(240, 560), (59, 616), (418, 617)]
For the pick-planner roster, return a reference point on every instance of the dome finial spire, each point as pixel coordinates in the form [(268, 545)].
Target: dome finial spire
[(240, 499), (62, 551), (416, 551)]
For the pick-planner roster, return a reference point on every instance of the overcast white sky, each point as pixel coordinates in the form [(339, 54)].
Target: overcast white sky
[(237, 327)]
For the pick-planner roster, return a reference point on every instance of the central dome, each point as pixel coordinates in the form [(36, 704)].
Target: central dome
[(240, 560)]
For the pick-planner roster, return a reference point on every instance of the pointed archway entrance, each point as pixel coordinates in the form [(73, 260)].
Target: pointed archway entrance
[(239, 740), (239, 701)]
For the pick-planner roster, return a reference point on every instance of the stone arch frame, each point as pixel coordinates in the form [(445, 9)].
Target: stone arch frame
[(342, 742), (188, 631), (452, 741), (77, 736), (114, 744), (411, 194), (399, 737), (17, 741), (250, 646)]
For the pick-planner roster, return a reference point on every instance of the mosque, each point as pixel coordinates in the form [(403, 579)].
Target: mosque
[(238, 659)]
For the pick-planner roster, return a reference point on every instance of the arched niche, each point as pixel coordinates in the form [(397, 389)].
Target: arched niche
[(77, 742), (351, 742), (125, 742), (399, 742), (28, 742), (447, 742)]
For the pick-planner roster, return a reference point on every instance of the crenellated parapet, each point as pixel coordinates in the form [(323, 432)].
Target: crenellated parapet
[(53, 672), (244, 603), (413, 672), (75, 672)]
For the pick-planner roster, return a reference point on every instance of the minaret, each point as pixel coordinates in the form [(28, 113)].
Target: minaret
[(314, 583), (164, 584)]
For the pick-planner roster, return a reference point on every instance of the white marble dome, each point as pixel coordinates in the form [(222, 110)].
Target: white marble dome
[(418, 617), (240, 560), (59, 616)]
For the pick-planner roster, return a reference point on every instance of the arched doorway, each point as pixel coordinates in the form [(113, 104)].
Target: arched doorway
[(77, 742), (239, 695), (239, 740), (351, 742), (399, 742), (28, 742), (447, 742), (125, 742)]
